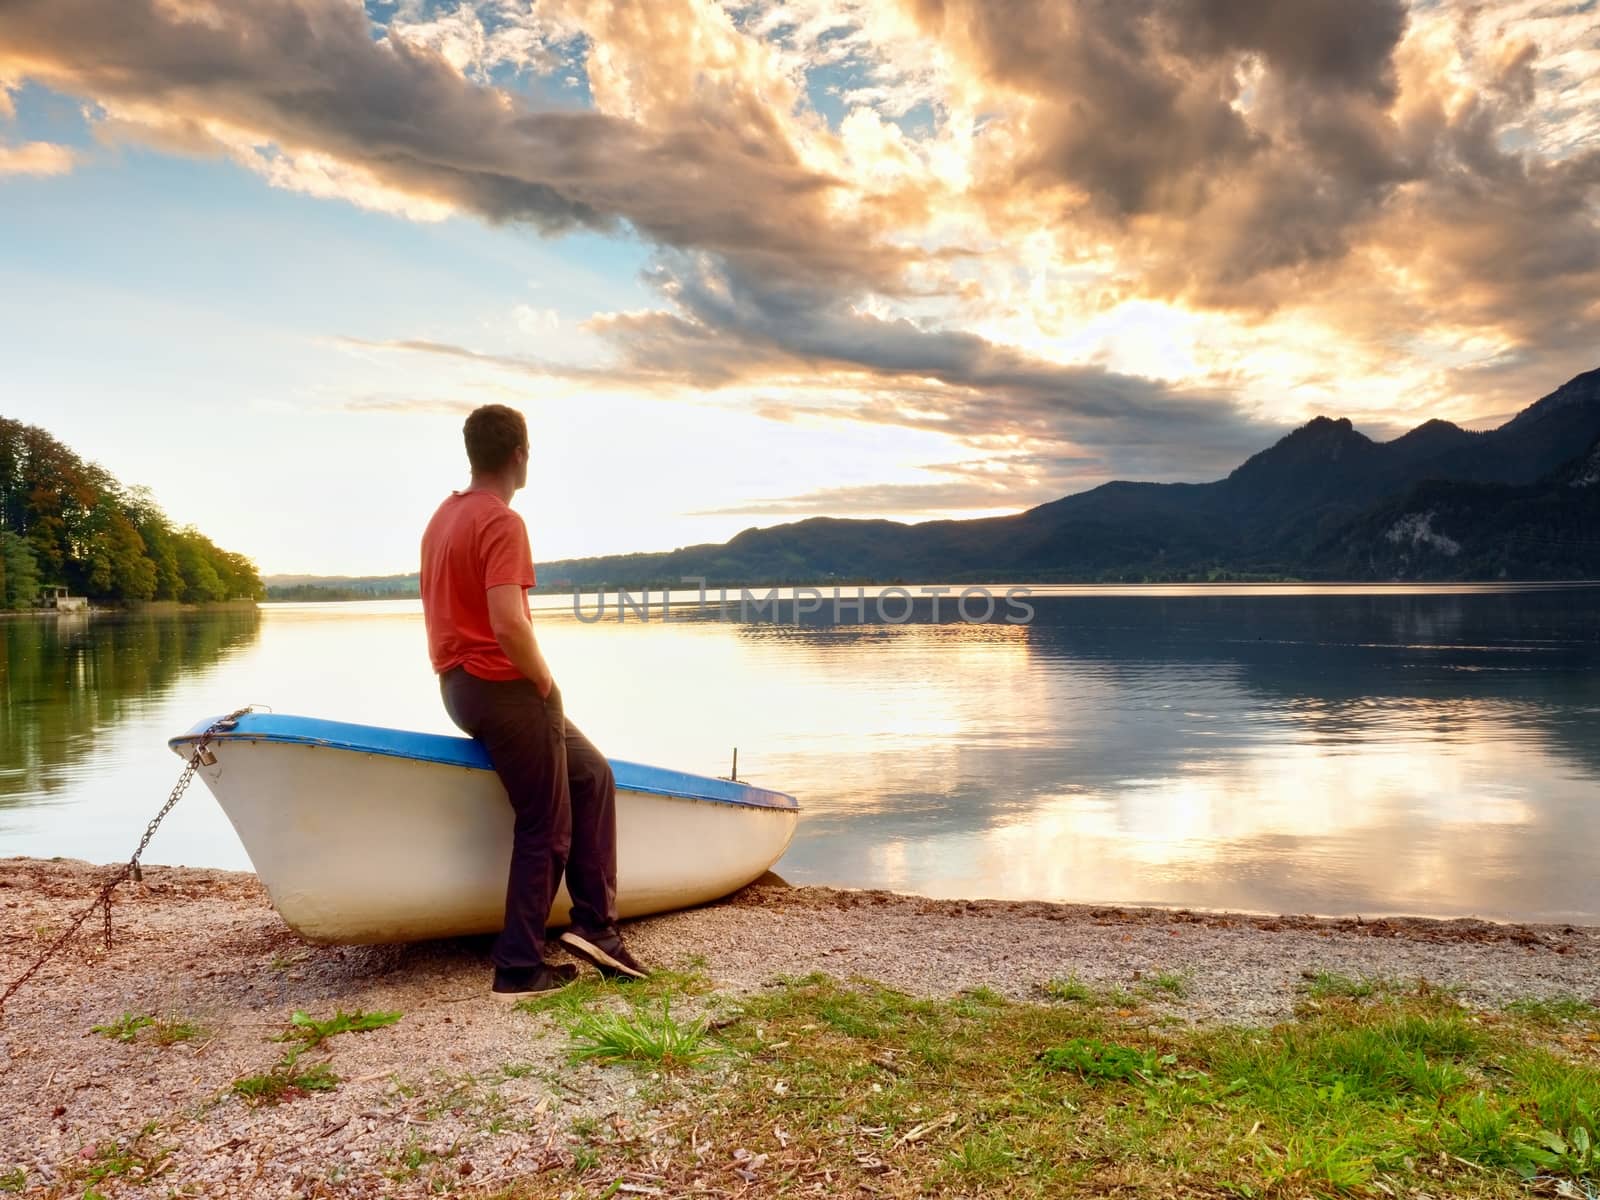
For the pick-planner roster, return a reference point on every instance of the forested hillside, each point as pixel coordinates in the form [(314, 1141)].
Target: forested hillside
[(68, 522)]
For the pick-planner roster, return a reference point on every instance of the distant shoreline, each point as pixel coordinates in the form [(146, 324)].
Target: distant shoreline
[(142, 608), (1039, 587)]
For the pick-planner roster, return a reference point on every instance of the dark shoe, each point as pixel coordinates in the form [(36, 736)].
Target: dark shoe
[(518, 983), (605, 950)]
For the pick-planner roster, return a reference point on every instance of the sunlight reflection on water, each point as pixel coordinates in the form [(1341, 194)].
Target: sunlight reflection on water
[(1328, 750)]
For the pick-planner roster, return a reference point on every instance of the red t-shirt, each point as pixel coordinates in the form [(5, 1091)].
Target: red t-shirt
[(473, 543)]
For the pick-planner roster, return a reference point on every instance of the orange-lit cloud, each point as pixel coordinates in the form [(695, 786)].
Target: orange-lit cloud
[(1078, 238), (36, 158)]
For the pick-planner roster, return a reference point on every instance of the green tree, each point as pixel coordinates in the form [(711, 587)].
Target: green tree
[(160, 544), (86, 530), (20, 571), (110, 558), (201, 583)]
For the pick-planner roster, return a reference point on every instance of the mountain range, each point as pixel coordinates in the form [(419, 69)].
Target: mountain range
[(1326, 502)]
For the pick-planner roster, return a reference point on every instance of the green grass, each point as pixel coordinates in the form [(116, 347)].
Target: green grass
[(165, 1031), (1094, 1059), (1327, 985), (415, 1157), (1070, 989), (1553, 1010), (311, 1032), (134, 1159), (642, 1035), (1173, 983), (589, 991), (284, 1082), (170, 1030), (629, 1021), (286, 1079), (125, 1028), (14, 1180), (1374, 1091), (981, 1159)]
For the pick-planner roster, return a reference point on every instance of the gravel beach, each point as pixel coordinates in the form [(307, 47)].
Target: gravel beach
[(465, 1095)]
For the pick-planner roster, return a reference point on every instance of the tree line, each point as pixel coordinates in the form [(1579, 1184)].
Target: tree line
[(68, 523)]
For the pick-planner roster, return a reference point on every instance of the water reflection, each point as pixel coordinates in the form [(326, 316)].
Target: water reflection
[(1396, 753), (1318, 750), (70, 681)]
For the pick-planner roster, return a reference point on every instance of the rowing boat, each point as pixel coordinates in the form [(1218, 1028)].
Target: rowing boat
[(363, 834)]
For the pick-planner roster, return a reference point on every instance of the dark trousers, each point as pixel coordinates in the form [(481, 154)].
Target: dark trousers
[(565, 799)]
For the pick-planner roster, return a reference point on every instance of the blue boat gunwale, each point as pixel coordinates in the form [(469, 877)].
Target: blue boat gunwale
[(468, 753)]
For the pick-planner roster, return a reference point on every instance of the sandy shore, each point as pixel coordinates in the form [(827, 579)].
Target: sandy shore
[(459, 1071)]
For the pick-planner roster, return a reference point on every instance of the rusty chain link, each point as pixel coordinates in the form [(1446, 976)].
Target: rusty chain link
[(131, 867)]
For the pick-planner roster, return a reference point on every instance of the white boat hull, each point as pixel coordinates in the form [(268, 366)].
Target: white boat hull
[(358, 847)]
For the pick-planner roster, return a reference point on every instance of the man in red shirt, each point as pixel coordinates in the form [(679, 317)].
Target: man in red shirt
[(476, 572)]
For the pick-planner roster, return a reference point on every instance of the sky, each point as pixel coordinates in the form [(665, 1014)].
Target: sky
[(744, 263)]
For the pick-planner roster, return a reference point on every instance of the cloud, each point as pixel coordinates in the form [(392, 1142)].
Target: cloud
[(1010, 482), (1255, 155), (943, 380), (881, 498), (36, 158), (399, 403), (807, 354), (293, 78), (1343, 202), (479, 40)]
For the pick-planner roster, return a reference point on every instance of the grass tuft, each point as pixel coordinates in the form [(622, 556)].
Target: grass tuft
[(1094, 1059), (125, 1028), (286, 1080), (1329, 985), (641, 1035), (983, 1159), (167, 1031), (1173, 983), (171, 1030), (312, 1033), (1553, 1010), (133, 1159), (285, 1083), (1072, 990), (589, 991)]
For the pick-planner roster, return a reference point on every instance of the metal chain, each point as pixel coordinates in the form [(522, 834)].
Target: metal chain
[(131, 867)]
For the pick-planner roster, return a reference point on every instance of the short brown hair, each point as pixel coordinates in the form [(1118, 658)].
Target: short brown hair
[(493, 433)]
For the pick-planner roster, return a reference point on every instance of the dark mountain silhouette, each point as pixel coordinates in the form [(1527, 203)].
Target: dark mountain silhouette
[(1308, 506), (1451, 529), (1325, 502)]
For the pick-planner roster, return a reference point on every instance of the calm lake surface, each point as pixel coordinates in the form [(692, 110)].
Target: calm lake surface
[(1335, 750)]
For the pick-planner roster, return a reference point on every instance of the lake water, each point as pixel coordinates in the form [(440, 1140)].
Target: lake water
[(1337, 750)]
